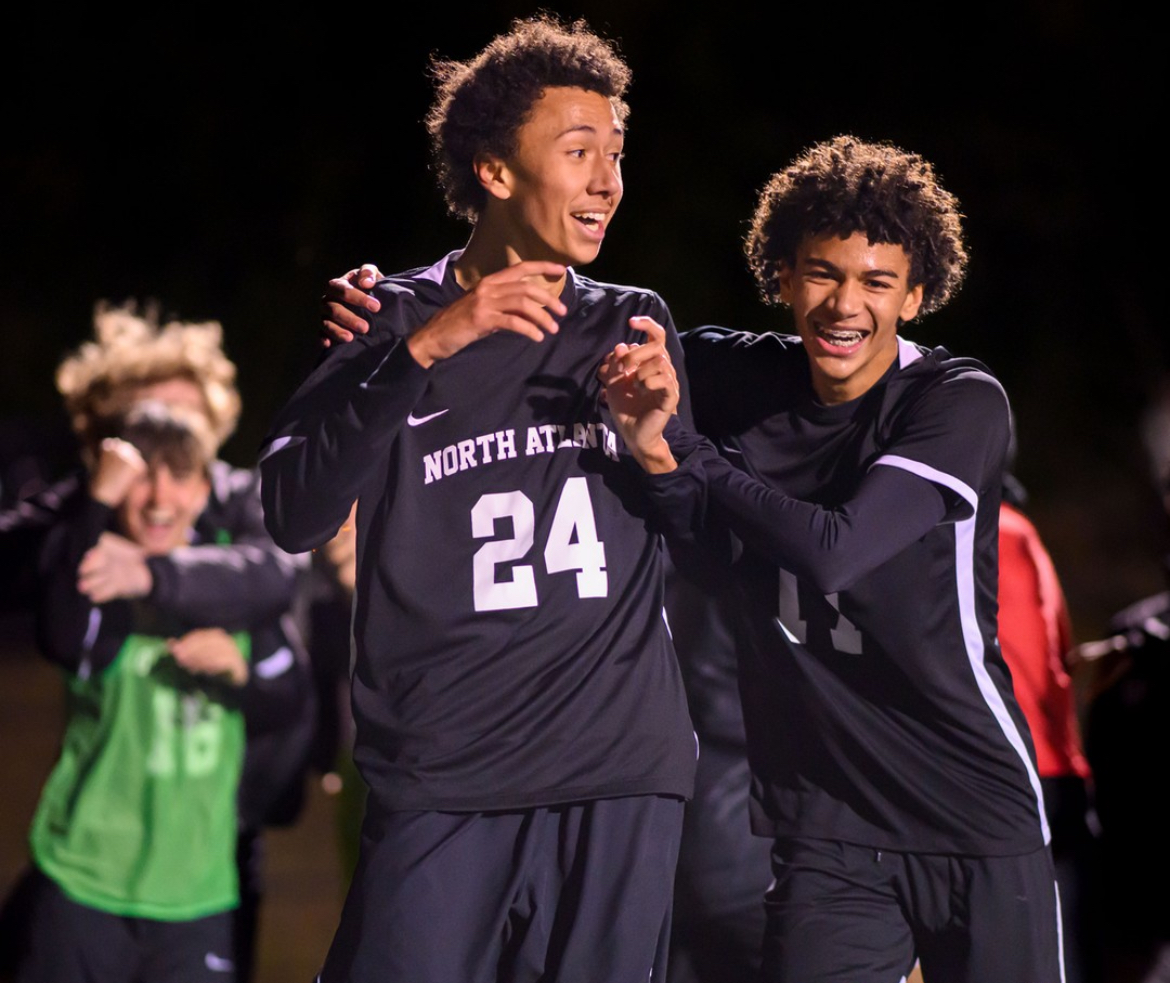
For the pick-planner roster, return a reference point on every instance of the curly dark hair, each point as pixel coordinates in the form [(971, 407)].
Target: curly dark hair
[(480, 104), (846, 185)]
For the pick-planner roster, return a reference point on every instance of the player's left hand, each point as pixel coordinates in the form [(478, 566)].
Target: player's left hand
[(112, 568), (642, 391), (338, 322), (210, 652)]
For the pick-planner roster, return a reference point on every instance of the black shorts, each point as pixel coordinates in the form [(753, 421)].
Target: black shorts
[(73, 943), (577, 893), (839, 912)]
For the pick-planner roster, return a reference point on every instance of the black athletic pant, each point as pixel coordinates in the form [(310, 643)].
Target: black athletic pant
[(839, 913), (576, 893)]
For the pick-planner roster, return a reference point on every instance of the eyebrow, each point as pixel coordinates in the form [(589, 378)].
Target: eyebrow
[(586, 128), (814, 261)]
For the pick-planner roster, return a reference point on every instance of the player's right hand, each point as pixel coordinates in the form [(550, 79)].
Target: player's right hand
[(117, 467), (210, 652), (338, 322), (516, 298)]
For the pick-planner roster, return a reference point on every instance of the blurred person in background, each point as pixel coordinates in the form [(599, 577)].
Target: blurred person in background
[(231, 574), (134, 840), (1127, 728)]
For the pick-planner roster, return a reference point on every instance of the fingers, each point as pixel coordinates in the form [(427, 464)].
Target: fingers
[(117, 452), (113, 568), (655, 331), (209, 651), (641, 361), (339, 323), (119, 465), (503, 301), (367, 276)]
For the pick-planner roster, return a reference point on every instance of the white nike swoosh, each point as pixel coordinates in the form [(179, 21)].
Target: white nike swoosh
[(415, 421), (218, 964)]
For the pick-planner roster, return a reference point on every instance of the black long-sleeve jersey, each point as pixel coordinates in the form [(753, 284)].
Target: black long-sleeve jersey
[(878, 708), (511, 648)]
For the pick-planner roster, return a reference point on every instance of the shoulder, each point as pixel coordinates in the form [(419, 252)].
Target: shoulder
[(769, 366), (592, 294), (739, 378), (770, 348), (933, 377), (410, 294)]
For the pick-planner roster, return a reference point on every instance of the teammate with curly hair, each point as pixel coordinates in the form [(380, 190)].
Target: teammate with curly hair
[(851, 481), (521, 720)]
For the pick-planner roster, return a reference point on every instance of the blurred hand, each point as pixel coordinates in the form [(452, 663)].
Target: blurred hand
[(114, 568), (118, 466), (210, 652)]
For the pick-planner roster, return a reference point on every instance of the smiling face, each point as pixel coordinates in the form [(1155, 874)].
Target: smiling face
[(556, 196), (847, 297), (162, 506)]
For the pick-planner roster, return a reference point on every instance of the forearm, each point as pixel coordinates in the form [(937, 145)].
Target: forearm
[(831, 547), (233, 587), (331, 438)]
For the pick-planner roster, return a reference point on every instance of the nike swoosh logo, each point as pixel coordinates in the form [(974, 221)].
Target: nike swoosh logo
[(417, 421), (218, 964)]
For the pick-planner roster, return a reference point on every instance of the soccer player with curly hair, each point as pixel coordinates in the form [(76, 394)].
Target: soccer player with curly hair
[(851, 481)]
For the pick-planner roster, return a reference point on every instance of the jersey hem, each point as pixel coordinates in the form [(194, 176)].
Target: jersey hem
[(131, 909)]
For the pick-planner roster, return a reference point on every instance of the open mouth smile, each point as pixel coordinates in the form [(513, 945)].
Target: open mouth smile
[(593, 221), (842, 341)]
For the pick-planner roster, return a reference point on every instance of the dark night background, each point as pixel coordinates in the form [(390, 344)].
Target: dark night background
[(228, 165), (228, 162)]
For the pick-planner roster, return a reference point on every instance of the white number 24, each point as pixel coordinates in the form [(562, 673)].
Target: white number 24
[(572, 545)]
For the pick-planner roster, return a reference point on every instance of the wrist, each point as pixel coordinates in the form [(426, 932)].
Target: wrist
[(108, 493), (420, 350), (656, 459)]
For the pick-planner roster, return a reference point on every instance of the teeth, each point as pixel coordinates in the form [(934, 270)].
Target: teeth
[(590, 218), (158, 518), (842, 338)]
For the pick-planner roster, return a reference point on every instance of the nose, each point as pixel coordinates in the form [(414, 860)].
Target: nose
[(162, 484), (606, 178), (847, 298)]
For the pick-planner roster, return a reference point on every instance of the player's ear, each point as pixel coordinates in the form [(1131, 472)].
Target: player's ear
[(494, 175), (784, 276), (911, 304)]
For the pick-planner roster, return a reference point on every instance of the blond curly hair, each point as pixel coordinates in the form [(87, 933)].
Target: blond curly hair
[(100, 381)]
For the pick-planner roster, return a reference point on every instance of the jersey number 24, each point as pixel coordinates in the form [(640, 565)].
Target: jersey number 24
[(572, 545)]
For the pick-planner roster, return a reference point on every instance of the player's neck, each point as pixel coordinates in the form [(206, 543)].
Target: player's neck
[(491, 249), (831, 391)]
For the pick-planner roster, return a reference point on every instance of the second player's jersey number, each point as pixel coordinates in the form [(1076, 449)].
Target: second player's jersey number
[(572, 546), (800, 609)]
